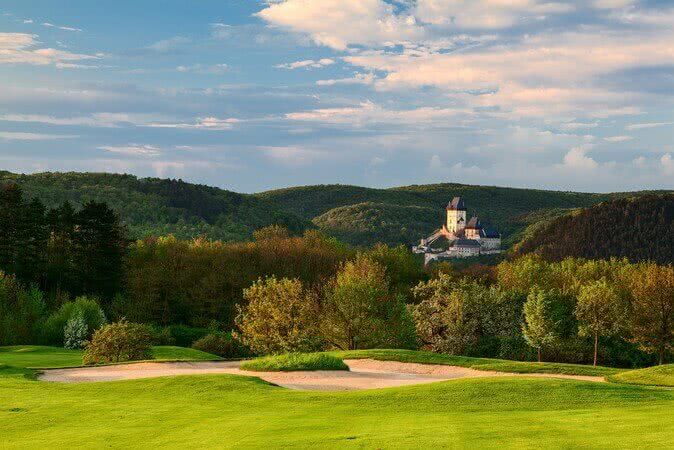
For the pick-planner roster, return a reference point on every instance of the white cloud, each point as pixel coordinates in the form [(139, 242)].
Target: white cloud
[(214, 69), (307, 64), (20, 136), (571, 126), (101, 120), (169, 45), (667, 164), (368, 113), (577, 159), (340, 23), (486, 14), (616, 139), (612, 4), (60, 27), (21, 48), (133, 150), (293, 156), (644, 126), (358, 78), (201, 123)]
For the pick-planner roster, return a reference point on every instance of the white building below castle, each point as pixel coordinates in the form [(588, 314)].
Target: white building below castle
[(466, 238)]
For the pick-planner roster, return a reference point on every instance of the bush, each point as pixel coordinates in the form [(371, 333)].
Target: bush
[(221, 344), (161, 335), (185, 336), (119, 341), (75, 333), (20, 312), (293, 362), (87, 308)]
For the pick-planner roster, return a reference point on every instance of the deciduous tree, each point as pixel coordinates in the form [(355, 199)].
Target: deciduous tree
[(538, 328), (600, 311), (280, 316)]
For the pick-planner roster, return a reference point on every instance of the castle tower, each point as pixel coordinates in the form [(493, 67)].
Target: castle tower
[(456, 215)]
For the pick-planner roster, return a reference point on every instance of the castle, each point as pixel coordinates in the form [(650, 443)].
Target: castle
[(466, 238)]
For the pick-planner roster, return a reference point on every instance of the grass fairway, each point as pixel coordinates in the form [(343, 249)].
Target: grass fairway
[(653, 376), (24, 356), (497, 365), (224, 411)]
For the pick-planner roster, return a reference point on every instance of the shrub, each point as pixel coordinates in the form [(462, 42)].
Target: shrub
[(221, 344), (119, 341), (161, 335), (87, 308), (185, 336), (75, 333), (281, 316), (20, 312), (293, 362)]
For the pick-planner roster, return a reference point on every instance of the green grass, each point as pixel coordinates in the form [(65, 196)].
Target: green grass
[(292, 362), (499, 365), (240, 412), (653, 376), (27, 356), (225, 411), (172, 353)]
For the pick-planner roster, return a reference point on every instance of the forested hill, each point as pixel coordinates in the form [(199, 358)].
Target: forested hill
[(151, 206), (358, 215), (639, 228)]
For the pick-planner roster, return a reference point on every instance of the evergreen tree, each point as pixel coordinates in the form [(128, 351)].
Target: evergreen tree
[(100, 247)]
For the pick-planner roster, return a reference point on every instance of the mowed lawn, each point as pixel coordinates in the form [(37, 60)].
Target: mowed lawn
[(224, 411)]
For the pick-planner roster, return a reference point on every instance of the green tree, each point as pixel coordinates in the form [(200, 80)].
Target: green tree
[(280, 316), (359, 311), (652, 289), (538, 328), (100, 244), (600, 311)]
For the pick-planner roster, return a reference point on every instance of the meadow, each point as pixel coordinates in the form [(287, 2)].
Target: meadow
[(240, 412)]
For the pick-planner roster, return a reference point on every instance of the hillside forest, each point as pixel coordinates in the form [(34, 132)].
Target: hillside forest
[(355, 215), (68, 269)]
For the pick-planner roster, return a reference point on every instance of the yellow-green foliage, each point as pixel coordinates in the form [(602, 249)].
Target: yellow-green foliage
[(293, 362), (279, 316)]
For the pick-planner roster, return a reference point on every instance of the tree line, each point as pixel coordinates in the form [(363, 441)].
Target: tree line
[(74, 269)]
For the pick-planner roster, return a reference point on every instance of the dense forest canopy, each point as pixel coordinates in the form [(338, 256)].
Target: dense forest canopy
[(356, 215), (639, 229)]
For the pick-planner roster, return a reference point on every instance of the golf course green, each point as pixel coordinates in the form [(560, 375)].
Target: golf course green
[(227, 411)]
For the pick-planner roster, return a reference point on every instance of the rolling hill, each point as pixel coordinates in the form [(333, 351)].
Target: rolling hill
[(637, 228), (358, 215)]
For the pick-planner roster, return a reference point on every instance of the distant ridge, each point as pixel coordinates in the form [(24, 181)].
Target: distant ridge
[(357, 215)]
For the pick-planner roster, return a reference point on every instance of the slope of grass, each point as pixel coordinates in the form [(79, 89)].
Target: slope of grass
[(223, 411), (27, 356), (173, 353), (239, 412), (292, 362), (653, 376), (498, 365)]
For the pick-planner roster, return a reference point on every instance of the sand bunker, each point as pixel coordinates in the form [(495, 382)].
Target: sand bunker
[(364, 374)]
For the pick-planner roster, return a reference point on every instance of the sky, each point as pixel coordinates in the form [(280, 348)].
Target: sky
[(252, 95)]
